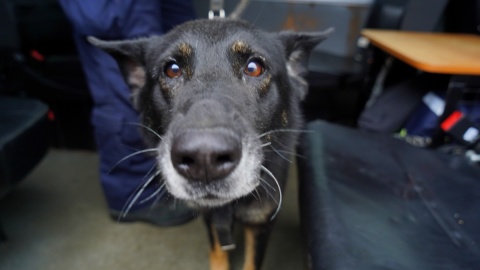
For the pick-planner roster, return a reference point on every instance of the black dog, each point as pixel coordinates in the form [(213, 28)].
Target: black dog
[(224, 98)]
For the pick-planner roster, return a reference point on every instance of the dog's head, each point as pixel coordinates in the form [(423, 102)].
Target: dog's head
[(213, 89)]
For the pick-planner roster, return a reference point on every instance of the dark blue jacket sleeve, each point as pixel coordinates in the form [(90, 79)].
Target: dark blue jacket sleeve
[(93, 17), (119, 19)]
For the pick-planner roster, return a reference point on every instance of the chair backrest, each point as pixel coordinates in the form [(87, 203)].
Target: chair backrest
[(419, 15), (386, 14), (412, 15), (423, 15), (9, 40)]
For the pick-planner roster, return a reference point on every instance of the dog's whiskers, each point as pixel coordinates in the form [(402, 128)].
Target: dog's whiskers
[(280, 146), (160, 190), (147, 128), (269, 194), (135, 192), (280, 199), (290, 153), (266, 183), (137, 195), (265, 144), (131, 155), (285, 152), (257, 196), (284, 130), (278, 153)]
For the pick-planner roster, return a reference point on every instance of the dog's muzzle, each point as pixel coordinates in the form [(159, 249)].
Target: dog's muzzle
[(210, 156)]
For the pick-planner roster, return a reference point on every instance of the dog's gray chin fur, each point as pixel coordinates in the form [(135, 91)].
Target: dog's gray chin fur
[(240, 182)]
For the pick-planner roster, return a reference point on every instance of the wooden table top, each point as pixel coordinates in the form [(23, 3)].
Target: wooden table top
[(457, 54)]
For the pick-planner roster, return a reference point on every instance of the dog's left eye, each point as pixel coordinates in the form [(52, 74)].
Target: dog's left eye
[(173, 70), (254, 69)]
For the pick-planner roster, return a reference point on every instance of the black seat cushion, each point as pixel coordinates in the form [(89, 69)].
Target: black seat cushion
[(369, 201), (23, 138)]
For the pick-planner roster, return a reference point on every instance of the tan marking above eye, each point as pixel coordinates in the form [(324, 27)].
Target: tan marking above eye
[(185, 50), (240, 47)]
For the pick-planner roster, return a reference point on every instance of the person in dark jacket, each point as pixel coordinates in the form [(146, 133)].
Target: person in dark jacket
[(113, 113)]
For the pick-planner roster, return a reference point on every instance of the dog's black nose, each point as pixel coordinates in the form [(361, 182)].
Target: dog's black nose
[(205, 155)]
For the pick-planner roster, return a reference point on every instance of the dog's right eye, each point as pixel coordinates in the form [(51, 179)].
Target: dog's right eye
[(254, 69), (173, 70)]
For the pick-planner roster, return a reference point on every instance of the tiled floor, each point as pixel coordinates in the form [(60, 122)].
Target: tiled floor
[(56, 219)]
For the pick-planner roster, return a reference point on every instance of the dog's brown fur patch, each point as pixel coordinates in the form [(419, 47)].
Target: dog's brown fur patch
[(249, 263), (218, 256), (284, 118), (265, 85)]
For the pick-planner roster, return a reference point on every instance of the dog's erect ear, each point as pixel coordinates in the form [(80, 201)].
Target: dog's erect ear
[(298, 46), (129, 55)]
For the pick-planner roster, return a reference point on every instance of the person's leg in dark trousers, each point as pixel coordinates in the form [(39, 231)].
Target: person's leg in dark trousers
[(113, 113)]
